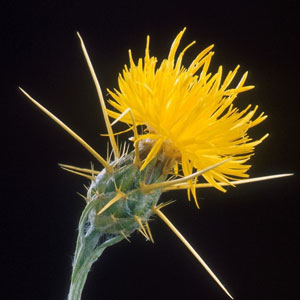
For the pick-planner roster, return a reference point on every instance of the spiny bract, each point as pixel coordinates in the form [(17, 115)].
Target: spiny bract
[(122, 207)]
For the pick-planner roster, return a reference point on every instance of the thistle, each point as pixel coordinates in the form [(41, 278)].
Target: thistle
[(185, 126)]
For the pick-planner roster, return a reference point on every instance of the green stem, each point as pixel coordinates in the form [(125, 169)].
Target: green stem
[(87, 252)]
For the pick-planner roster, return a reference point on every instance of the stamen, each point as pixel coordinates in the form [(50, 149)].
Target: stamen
[(190, 248), (104, 163)]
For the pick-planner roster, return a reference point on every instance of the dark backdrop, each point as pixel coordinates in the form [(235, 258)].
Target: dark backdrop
[(248, 235)]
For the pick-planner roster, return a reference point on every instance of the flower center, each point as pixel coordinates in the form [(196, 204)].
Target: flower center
[(170, 151)]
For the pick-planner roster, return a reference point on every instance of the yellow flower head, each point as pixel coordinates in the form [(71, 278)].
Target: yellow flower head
[(188, 113), (189, 124)]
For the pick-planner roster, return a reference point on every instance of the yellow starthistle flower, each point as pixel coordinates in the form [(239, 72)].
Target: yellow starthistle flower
[(188, 113), (192, 129)]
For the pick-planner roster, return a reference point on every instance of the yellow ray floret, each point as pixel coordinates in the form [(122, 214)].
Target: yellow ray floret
[(188, 113)]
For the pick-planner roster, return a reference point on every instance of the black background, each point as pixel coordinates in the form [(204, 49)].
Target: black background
[(247, 235)]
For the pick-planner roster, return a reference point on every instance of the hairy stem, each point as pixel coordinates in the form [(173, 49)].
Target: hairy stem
[(88, 250)]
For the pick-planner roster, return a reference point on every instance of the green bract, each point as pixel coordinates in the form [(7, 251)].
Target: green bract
[(105, 222), (133, 202)]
